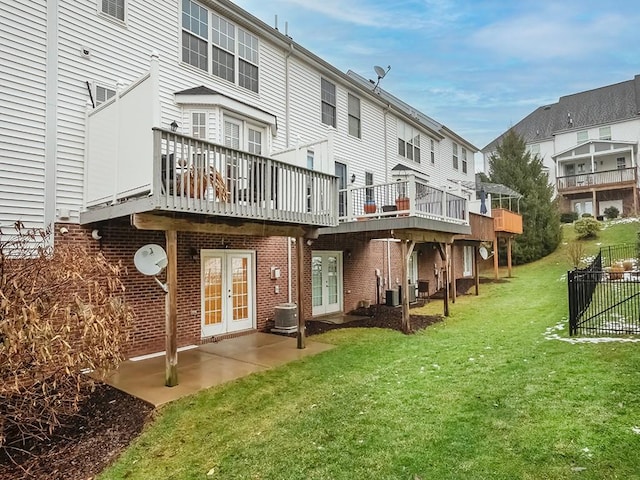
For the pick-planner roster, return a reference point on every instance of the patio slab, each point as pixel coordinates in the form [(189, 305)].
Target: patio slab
[(208, 365)]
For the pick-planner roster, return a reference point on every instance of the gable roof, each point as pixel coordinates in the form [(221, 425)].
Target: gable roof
[(609, 104)]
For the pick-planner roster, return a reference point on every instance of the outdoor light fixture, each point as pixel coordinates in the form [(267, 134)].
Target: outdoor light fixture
[(174, 126), (353, 177), (193, 253)]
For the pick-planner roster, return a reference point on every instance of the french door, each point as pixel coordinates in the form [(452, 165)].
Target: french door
[(228, 291), (326, 282)]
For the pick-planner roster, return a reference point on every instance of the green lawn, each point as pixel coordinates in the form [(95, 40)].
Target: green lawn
[(483, 395)]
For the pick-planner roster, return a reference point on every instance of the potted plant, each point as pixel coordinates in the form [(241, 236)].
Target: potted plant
[(402, 203), (370, 207)]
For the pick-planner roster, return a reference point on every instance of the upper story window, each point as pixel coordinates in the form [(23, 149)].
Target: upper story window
[(103, 94), (328, 100), (354, 116), (433, 152), (408, 142), (621, 162), (464, 160), (234, 52), (534, 149), (199, 125), (114, 8), (583, 136), (455, 156), (604, 133)]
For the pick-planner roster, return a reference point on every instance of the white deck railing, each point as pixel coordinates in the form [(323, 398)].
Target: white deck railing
[(622, 175), (195, 176), (410, 197)]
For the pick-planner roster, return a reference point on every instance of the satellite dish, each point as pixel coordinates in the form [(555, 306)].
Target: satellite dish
[(150, 259), (381, 72), (484, 253)]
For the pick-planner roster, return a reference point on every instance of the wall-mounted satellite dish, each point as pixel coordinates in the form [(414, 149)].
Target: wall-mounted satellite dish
[(484, 253), (150, 259)]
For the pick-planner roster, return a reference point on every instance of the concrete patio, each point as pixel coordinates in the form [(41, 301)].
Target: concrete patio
[(208, 365)]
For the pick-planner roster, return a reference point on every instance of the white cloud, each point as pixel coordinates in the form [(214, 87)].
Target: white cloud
[(551, 33)]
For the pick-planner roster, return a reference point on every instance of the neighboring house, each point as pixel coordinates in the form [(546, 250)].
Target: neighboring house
[(589, 144), (196, 126)]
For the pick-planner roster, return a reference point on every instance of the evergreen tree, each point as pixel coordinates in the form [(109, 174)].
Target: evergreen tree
[(512, 165)]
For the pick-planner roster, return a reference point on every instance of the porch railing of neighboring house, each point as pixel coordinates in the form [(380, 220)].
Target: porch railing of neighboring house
[(197, 176), (603, 297), (609, 177), (406, 197)]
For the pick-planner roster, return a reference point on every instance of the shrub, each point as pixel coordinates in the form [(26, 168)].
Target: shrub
[(586, 215), (61, 316), (575, 252), (568, 217), (587, 227), (611, 212)]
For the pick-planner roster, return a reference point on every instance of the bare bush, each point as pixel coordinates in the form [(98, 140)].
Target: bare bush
[(576, 253), (61, 316)]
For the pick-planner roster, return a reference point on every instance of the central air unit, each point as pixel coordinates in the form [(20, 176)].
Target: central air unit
[(286, 318)]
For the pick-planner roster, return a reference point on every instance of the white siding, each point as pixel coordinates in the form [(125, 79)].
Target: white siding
[(23, 34)]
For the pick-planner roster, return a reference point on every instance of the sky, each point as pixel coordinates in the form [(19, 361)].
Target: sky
[(476, 66)]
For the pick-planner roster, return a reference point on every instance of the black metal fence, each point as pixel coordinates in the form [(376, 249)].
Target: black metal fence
[(604, 297)]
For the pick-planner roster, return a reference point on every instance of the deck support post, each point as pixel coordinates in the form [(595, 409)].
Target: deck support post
[(301, 334), (509, 240), (476, 274), (171, 311), (406, 248)]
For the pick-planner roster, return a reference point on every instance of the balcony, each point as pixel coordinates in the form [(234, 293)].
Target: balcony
[(610, 179), (409, 197), (181, 174), (505, 221)]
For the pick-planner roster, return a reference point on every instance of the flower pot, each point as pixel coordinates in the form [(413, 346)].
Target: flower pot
[(370, 208), (402, 203)]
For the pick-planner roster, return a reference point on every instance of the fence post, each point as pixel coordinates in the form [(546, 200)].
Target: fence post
[(572, 302)]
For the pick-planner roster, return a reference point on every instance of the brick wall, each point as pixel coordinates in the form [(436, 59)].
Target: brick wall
[(119, 243)]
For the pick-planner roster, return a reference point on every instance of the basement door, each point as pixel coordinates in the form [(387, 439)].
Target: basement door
[(228, 291), (326, 282)]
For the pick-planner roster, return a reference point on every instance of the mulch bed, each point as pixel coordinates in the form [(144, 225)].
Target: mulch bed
[(111, 419), (106, 424), (379, 316)]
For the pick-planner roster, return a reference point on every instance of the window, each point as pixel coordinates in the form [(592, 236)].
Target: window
[(368, 180), (103, 94), (195, 30), (604, 133), (467, 261), (433, 152), (408, 142), (581, 168), (534, 149), (464, 160), (199, 125), (242, 135), (455, 156), (234, 52), (621, 163), (328, 99), (354, 116), (310, 156), (583, 136), (114, 8)]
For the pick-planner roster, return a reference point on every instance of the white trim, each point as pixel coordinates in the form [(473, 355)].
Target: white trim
[(232, 105), (160, 354)]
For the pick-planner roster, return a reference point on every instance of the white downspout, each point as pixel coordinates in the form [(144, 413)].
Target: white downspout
[(51, 118)]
